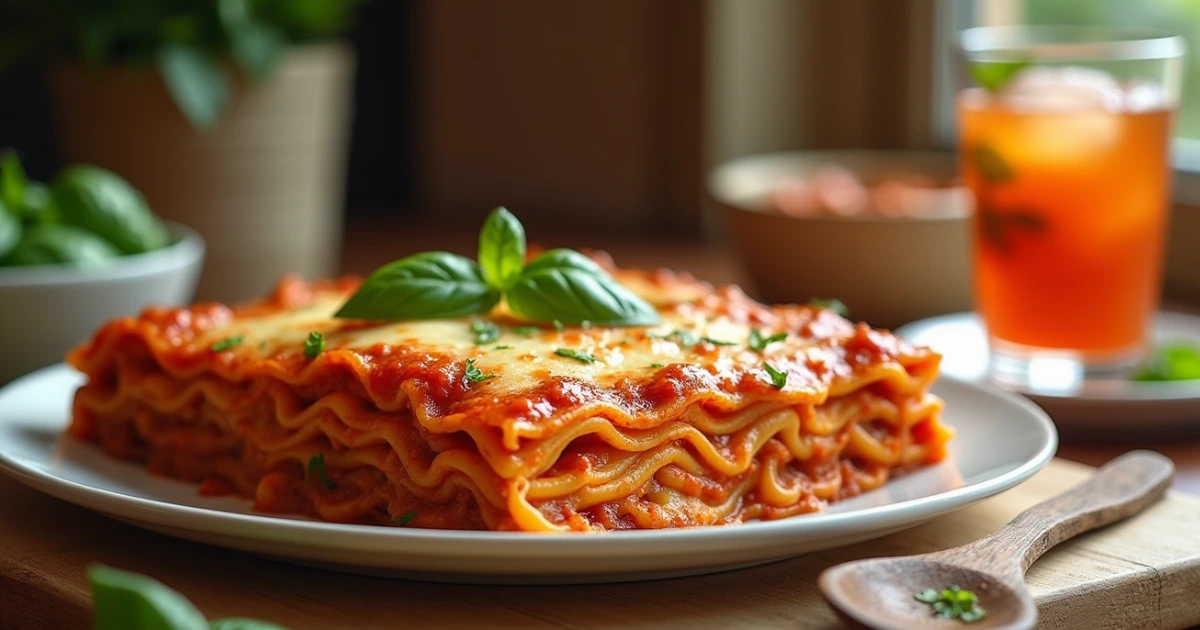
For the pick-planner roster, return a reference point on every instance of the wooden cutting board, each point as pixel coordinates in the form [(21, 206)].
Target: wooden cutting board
[(1143, 573)]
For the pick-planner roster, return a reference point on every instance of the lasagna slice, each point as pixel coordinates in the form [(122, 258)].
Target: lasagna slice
[(726, 412)]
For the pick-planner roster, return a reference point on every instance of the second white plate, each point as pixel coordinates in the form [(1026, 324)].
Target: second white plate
[(1002, 440)]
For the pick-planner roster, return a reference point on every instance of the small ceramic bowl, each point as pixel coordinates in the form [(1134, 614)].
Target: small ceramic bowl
[(47, 310), (888, 270)]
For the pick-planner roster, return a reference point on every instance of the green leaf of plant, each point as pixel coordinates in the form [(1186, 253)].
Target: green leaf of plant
[(196, 83), (10, 230), (125, 601), (101, 201), (992, 75), (241, 623), (501, 249), (12, 180), (60, 244), (423, 286), (255, 47), (992, 166), (38, 207), (567, 286)]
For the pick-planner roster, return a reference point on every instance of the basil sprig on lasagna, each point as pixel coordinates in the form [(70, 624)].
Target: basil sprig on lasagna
[(559, 285)]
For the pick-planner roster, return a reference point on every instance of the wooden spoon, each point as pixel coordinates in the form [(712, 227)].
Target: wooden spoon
[(879, 593)]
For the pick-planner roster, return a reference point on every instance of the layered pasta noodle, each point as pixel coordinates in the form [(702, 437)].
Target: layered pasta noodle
[(578, 429)]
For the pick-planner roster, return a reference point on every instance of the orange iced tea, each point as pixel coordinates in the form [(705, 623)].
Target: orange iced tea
[(1071, 209)]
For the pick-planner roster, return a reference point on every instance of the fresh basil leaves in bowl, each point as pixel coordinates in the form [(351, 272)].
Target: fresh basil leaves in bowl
[(78, 251)]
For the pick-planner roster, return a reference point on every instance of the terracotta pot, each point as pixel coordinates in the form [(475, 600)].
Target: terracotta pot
[(264, 186)]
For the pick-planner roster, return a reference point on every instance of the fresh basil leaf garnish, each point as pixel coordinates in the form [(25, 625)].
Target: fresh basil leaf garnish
[(834, 305), (501, 249), (485, 332), (60, 244), (103, 203), (778, 378), (567, 286), (570, 353), (123, 600), (993, 75), (423, 286)]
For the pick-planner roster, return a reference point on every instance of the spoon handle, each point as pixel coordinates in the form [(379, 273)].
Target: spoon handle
[(1118, 490)]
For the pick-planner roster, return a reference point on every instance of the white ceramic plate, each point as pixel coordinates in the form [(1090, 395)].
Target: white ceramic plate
[(1003, 439), (1105, 405)]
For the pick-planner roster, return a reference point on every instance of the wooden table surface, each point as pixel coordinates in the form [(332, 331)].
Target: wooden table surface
[(371, 245)]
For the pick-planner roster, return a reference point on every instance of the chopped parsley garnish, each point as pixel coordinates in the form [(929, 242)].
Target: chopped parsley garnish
[(718, 342), (558, 325), (758, 343), (472, 372), (657, 365), (953, 603), (227, 344), (502, 348), (316, 467), (314, 345), (575, 354), (834, 305), (525, 330), (485, 332), (778, 379), (405, 518)]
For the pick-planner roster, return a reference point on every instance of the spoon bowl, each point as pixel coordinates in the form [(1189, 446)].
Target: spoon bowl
[(887, 588), (882, 593)]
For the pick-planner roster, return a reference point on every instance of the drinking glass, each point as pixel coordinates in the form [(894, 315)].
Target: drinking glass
[(1064, 141)]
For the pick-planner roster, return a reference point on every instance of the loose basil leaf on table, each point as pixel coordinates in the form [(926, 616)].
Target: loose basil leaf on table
[(568, 286), (60, 244), (102, 202), (423, 286), (127, 601), (501, 249)]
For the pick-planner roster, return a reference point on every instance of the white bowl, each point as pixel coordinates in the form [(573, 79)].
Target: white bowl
[(887, 270), (47, 310)]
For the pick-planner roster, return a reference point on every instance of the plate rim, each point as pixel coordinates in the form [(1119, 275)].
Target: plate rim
[(497, 545)]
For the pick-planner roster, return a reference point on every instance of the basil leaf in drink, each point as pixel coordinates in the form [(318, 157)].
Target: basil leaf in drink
[(567, 286), (423, 286), (241, 623), (12, 180), (60, 244), (501, 249), (991, 165), (123, 600), (10, 230), (102, 202), (993, 75)]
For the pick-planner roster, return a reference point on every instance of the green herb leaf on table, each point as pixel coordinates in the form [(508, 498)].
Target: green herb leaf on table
[(501, 249), (993, 75), (485, 332), (314, 345), (406, 518), (759, 343), (228, 343), (423, 286), (103, 203), (316, 467), (128, 601), (1172, 362), (474, 374), (834, 305), (195, 81), (778, 379), (569, 353)]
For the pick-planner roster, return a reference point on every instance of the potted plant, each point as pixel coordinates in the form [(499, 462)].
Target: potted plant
[(231, 116)]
